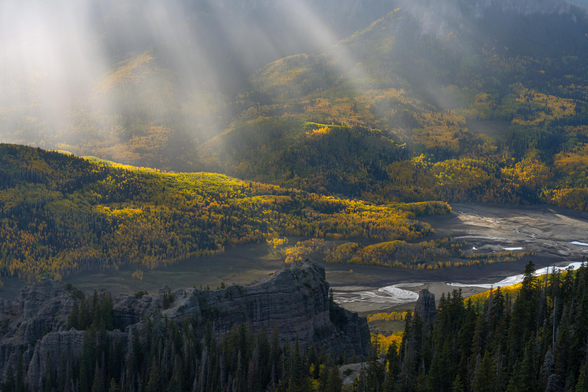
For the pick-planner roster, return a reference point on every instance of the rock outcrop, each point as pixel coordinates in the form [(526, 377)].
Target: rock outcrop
[(295, 299), (425, 306)]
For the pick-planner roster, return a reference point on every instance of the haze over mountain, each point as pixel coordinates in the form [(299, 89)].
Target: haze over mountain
[(182, 86), (114, 74), (146, 82)]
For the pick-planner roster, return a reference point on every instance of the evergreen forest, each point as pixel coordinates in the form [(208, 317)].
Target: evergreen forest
[(527, 340)]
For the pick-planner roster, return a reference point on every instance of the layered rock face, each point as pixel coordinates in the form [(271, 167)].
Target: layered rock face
[(425, 306), (295, 299)]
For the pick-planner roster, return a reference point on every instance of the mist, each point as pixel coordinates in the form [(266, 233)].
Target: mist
[(126, 78), (150, 81)]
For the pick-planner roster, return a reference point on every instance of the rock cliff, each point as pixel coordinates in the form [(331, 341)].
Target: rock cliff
[(296, 299), (425, 306)]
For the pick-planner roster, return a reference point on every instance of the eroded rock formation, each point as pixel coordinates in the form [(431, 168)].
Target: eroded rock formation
[(296, 299), (425, 306)]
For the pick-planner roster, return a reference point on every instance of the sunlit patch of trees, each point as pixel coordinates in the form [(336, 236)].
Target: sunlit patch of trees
[(304, 249), (574, 198), (137, 275), (427, 254), (440, 253), (393, 253), (61, 214), (541, 107), (382, 343), (392, 316), (277, 242), (513, 290)]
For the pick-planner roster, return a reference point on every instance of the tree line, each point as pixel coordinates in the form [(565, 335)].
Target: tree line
[(528, 341), (60, 214)]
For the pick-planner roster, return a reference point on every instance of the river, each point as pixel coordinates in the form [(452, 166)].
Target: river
[(556, 236)]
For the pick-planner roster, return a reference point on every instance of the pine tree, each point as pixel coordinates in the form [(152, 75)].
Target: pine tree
[(375, 372), (323, 379), (485, 376), (20, 373), (335, 384), (457, 385), (154, 384), (297, 379), (174, 385), (582, 385), (9, 383), (73, 320), (392, 368), (529, 369), (98, 384), (113, 387)]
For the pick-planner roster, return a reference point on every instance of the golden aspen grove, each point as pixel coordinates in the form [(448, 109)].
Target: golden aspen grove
[(61, 214)]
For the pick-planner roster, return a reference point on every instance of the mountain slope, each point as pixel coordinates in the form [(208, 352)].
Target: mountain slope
[(490, 108), (146, 82), (61, 214), (479, 101)]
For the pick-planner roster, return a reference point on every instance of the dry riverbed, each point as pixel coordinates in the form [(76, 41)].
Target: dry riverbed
[(556, 236)]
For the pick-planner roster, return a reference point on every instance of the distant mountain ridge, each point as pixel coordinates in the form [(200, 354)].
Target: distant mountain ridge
[(484, 100), (478, 7), (437, 15)]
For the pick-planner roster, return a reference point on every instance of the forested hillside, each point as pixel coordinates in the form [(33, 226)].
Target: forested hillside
[(449, 107), (60, 214), (171, 357), (451, 100), (185, 340), (532, 341)]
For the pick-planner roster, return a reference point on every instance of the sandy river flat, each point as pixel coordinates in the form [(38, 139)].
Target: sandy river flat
[(556, 236)]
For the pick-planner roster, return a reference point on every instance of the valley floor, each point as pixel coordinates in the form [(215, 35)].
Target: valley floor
[(548, 232)]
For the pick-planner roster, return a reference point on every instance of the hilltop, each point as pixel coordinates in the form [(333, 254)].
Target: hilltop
[(488, 109), (479, 101), (61, 214)]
